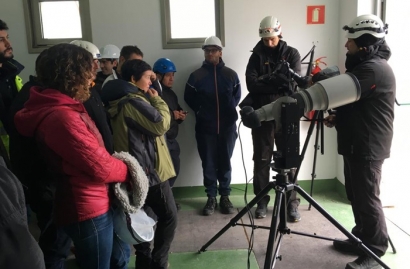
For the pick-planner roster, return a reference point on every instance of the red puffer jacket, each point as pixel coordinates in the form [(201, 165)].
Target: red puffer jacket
[(74, 151)]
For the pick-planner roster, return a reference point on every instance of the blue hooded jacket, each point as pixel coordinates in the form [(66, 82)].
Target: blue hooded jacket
[(213, 93)]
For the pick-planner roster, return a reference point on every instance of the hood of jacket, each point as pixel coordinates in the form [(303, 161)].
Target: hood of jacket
[(11, 68), (116, 89), (381, 50), (260, 48), (42, 103)]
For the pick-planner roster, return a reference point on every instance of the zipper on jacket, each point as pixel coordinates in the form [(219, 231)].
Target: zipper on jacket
[(217, 100)]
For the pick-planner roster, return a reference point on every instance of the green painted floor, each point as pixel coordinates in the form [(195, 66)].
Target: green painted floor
[(209, 259), (193, 199)]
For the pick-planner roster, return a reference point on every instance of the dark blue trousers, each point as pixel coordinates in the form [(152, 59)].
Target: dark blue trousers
[(216, 151)]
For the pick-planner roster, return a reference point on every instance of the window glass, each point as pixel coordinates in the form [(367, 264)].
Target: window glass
[(192, 19), (57, 24)]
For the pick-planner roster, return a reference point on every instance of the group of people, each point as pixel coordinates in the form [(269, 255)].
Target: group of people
[(66, 122)]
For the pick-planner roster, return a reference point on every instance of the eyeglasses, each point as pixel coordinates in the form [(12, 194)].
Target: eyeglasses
[(208, 51)]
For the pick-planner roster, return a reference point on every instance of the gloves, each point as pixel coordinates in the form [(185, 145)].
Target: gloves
[(249, 117)]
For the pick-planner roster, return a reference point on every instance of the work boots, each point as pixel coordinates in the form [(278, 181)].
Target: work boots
[(226, 205), (364, 262), (210, 206)]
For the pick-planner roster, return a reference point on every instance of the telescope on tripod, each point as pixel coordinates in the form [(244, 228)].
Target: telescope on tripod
[(287, 111)]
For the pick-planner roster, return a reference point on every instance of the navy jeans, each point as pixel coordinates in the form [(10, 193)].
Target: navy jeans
[(96, 244), (216, 151)]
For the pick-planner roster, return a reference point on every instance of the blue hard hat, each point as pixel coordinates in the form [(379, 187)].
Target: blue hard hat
[(164, 65)]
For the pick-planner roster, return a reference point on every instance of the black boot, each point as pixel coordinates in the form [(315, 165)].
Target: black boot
[(210, 206), (293, 214), (347, 246), (225, 205), (261, 210), (364, 262)]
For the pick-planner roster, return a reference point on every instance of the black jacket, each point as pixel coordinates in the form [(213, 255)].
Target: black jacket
[(19, 250), (365, 128), (263, 61), (27, 162), (96, 110), (8, 89), (171, 99), (99, 80)]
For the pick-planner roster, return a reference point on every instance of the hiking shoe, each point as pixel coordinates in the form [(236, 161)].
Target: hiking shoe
[(225, 205), (261, 210), (347, 246), (364, 262), (210, 206), (293, 215)]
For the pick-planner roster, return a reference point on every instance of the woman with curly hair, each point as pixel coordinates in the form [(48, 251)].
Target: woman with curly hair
[(74, 151)]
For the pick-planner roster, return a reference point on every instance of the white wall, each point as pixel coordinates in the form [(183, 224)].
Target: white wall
[(138, 22)]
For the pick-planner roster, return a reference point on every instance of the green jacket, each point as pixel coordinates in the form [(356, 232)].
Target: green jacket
[(139, 125)]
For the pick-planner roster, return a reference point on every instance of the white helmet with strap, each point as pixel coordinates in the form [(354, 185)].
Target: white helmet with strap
[(270, 26), (89, 47), (366, 24), (110, 52), (212, 41)]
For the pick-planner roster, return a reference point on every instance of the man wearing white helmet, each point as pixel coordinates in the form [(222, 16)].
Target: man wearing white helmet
[(94, 104), (213, 93), (266, 55), (364, 135), (109, 60)]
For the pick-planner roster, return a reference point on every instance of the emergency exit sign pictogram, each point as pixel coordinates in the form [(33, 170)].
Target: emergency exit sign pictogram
[(315, 14)]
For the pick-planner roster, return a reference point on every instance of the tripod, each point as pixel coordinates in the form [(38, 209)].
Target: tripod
[(283, 163), (278, 224), (317, 117)]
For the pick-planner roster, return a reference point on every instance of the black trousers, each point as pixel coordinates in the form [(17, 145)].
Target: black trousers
[(161, 200), (174, 151), (362, 183), (263, 138), (53, 241)]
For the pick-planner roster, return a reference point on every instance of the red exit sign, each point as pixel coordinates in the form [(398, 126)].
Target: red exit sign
[(315, 14)]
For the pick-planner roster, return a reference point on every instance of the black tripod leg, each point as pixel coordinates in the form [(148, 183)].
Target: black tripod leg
[(353, 238), (235, 219), (314, 160), (278, 220)]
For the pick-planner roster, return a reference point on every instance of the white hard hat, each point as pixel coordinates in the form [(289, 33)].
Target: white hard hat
[(110, 52), (366, 24), (270, 26), (133, 228), (88, 46), (212, 41)]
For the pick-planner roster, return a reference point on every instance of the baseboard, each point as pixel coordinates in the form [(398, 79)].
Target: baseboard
[(319, 185)]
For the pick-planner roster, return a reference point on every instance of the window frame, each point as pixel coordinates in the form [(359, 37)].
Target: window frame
[(183, 43), (36, 43)]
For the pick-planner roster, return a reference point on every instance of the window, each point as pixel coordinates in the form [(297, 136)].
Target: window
[(49, 22), (186, 23)]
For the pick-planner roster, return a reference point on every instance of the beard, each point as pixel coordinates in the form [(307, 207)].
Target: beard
[(352, 60), (4, 58)]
